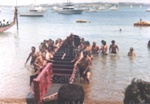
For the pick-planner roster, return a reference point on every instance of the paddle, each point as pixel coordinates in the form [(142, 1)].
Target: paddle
[(16, 15)]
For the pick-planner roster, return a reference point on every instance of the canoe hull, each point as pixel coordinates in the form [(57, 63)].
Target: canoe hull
[(4, 28), (142, 24)]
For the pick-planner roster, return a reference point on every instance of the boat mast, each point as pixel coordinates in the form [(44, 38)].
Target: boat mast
[(35, 3), (68, 1)]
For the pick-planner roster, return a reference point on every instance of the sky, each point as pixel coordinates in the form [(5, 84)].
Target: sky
[(25, 2)]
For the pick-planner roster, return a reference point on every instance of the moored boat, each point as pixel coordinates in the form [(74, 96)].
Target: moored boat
[(92, 10), (35, 11), (113, 8), (31, 14), (148, 9), (82, 21), (142, 24), (9, 25), (101, 8), (69, 9)]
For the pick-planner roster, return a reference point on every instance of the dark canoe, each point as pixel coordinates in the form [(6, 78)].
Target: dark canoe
[(142, 24), (54, 75), (6, 27)]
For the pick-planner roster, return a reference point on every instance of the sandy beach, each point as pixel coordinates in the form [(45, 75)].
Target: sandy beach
[(86, 101), (12, 101)]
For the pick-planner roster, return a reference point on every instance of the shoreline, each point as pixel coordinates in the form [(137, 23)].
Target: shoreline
[(12, 101), (86, 101)]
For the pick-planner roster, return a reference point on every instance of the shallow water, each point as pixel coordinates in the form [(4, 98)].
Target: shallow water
[(110, 74)]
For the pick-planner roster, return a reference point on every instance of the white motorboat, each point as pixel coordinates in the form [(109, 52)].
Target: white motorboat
[(36, 11), (101, 8), (69, 9), (113, 8), (92, 10), (148, 9)]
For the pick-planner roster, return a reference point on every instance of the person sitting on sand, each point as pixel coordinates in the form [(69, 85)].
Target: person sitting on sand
[(113, 48), (70, 94), (131, 52), (33, 56), (95, 49), (85, 67)]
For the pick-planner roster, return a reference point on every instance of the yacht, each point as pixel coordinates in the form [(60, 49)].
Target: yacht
[(92, 10), (113, 8), (35, 11), (148, 9), (101, 8), (69, 9), (140, 6)]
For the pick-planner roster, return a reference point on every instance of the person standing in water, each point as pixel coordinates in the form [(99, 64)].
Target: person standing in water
[(33, 56), (148, 44), (104, 48), (95, 49), (131, 52), (113, 48), (85, 67)]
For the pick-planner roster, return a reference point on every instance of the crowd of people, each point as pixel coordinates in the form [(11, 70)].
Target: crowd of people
[(83, 54), (40, 58), (136, 92)]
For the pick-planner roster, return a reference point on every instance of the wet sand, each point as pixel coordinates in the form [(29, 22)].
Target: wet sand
[(86, 101), (12, 101)]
